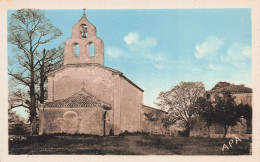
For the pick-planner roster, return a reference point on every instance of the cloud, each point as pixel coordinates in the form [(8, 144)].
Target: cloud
[(114, 52), (215, 68), (131, 38), (134, 42), (239, 55), (159, 66), (208, 47)]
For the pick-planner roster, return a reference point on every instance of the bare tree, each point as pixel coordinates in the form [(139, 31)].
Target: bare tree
[(180, 102), (49, 61), (27, 31)]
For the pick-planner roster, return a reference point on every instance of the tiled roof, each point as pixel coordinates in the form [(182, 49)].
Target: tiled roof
[(233, 89), (81, 99)]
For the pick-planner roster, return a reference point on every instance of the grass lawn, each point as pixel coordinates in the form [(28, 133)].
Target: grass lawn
[(126, 145)]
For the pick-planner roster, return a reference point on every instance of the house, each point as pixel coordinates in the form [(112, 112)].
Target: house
[(86, 97), (243, 95)]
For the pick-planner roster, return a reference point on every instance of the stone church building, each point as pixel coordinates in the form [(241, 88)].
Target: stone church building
[(86, 97)]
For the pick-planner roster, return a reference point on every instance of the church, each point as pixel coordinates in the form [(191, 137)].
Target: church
[(86, 97)]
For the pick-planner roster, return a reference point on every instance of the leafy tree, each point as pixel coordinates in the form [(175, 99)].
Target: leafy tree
[(246, 112), (220, 85), (28, 29), (15, 118), (168, 121), (180, 101), (226, 111), (205, 111), (158, 117), (153, 117)]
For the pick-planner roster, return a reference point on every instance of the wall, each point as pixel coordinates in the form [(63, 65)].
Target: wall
[(96, 80), (153, 127), (131, 99), (74, 120), (239, 130), (244, 98)]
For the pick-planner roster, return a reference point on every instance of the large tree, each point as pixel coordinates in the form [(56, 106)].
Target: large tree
[(180, 101), (205, 111), (49, 61), (29, 29), (222, 111), (226, 111)]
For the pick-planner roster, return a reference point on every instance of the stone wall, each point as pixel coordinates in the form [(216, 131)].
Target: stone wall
[(74, 120), (96, 80), (152, 127), (240, 130), (130, 106)]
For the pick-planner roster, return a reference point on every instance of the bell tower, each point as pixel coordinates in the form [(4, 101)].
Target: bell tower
[(84, 46)]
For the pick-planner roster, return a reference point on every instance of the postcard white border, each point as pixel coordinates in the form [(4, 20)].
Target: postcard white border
[(128, 4)]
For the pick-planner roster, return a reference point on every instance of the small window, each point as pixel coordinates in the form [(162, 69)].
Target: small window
[(91, 50), (76, 50), (84, 31)]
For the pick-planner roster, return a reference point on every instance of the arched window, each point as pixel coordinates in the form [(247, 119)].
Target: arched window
[(91, 50), (76, 50), (84, 30)]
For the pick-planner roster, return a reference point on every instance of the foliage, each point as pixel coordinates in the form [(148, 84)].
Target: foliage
[(180, 101), (160, 117), (223, 111), (226, 111), (15, 118), (28, 29), (206, 111), (246, 112)]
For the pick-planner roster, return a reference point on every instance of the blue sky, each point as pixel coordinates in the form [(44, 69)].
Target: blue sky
[(157, 49)]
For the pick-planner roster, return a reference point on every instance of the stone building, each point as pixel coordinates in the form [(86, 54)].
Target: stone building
[(86, 97), (242, 95)]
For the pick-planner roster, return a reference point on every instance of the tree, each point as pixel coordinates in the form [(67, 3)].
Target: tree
[(158, 117), (152, 117), (49, 61), (27, 31), (226, 111), (180, 101), (205, 111), (220, 85), (17, 96), (15, 118), (246, 112)]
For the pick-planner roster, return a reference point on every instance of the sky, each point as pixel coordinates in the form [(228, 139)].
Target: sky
[(157, 49)]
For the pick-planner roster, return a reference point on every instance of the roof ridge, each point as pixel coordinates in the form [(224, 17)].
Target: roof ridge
[(76, 100), (233, 88)]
